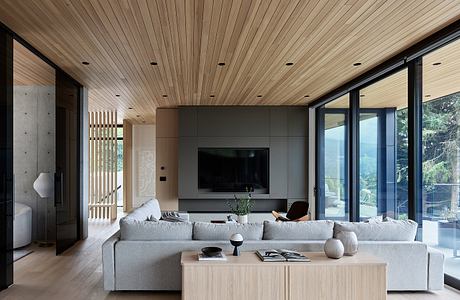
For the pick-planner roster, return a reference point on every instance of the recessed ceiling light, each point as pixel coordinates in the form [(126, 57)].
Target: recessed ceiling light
[(356, 64), (259, 96), (165, 96), (436, 64), (307, 96), (212, 96), (85, 63), (221, 64), (289, 64), (117, 95), (428, 95), (154, 63)]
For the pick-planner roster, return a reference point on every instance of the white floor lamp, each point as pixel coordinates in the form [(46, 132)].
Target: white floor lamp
[(44, 186)]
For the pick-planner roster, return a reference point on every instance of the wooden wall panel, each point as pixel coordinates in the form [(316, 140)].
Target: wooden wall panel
[(127, 166), (167, 158)]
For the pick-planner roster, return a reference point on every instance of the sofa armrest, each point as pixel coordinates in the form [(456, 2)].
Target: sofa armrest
[(108, 261), (435, 269)]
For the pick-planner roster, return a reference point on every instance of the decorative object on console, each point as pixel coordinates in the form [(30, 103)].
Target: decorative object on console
[(333, 248), (44, 186), (349, 241), (242, 207), (236, 240), (211, 251)]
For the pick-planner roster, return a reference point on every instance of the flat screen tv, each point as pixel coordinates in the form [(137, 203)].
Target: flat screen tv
[(233, 170)]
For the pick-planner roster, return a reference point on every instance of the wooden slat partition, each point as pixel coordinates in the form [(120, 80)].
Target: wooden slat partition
[(103, 165)]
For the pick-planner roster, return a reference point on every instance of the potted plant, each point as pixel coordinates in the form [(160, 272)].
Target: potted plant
[(241, 206)]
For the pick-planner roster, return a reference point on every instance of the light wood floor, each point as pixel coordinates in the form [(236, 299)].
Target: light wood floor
[(78, 275)]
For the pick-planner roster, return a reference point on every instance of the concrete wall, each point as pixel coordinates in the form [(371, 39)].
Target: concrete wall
[(143, 150), (34, 151)]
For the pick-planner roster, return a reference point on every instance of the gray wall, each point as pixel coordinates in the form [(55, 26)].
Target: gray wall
[(34, 151), (281, 129)]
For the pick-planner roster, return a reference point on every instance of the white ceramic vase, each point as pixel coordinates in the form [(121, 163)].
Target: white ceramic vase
[(349, 241), (333, 248), (243, 219)]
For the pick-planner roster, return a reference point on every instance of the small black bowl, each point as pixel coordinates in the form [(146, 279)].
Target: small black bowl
[(211, 251)]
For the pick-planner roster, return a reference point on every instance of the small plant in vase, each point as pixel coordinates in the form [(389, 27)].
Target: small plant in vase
[(241, 206)]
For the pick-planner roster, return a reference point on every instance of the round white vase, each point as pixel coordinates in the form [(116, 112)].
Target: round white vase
[(333, 248), (243, 219), (349, 241)]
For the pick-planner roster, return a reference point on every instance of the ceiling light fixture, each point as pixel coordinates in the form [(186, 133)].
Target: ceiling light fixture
[(117, 95), (164, 96), (289, 64), (85, 63), (357, 64), (130, 108), (154, 63), (221, 64), (259, 96), (212, 96)]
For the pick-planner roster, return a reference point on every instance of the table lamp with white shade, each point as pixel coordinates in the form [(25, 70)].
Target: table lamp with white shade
[(44, 186)]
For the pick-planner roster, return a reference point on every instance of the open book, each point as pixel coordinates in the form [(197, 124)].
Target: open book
[(273, 255)]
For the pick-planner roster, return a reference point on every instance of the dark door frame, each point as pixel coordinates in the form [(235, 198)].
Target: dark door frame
[(7, 36), (6, 160)]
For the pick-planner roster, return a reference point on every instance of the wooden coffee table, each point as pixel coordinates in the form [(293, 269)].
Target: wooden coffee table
[(362, 276)]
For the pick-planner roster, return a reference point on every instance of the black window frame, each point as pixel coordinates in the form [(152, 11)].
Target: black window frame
[(411, 59)]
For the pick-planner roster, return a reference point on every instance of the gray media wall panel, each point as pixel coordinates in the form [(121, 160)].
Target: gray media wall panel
[(281, 129)]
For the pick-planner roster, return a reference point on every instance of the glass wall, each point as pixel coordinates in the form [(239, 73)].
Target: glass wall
[(405, 129), (383, 148), (333, 145), (441, 153)]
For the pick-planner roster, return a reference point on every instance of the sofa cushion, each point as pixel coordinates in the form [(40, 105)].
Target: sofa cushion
[(149, 209), (394, 230), (222, 232), (308, 230), (134, 230)]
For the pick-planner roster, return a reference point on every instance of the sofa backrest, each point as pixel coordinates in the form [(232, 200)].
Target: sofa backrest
[(394, 230), (222, 232), (301, 231), (149, 209), (134, 230)]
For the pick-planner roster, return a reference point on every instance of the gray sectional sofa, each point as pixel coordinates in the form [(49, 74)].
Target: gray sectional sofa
[(145, 255)]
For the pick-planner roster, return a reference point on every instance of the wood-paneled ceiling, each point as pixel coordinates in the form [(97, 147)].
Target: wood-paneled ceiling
[(29, 69), (189, 38), (441, 77)]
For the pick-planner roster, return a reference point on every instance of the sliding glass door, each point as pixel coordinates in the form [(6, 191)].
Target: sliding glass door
[(381, 153), (333, 160), (441, 155), (67, 177)]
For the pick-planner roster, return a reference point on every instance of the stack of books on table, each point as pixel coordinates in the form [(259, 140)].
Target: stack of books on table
[(220, 257), (281, 255)]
